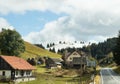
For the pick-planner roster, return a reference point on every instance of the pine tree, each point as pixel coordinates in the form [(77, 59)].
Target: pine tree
[(53, 50), (48, 45), (116, 51), (60, 42)]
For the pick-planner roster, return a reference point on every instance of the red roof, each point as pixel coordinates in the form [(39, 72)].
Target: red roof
[(17, 63)]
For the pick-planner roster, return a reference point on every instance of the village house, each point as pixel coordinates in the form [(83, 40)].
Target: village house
[(53, 63), (15, 69), (75, 59)]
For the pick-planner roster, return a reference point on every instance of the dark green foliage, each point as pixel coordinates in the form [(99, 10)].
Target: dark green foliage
[(52, 50), (51, 44), (48, 45), (64, 42), (60, 42), (31, 61), (86, 49), (100, 50), (11, 42), (116, 51), (40, 45), (41, 60), (60, 51)]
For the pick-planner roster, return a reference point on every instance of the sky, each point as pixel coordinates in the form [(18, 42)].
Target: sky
[(43, 21)]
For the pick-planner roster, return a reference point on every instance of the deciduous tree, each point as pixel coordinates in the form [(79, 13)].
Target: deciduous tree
[(11, 42)]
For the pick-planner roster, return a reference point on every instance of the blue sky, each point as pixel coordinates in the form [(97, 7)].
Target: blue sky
[(30, 21), (42, 21)]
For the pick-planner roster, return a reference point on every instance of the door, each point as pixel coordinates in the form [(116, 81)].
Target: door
[(12, 74)]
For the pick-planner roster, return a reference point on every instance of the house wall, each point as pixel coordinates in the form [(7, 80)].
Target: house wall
[(74, 54), (4, 65), (25, 77), (7, 73), (18, 73), (30, 73)]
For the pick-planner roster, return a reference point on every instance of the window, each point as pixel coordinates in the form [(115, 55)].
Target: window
[(28, 72), (3, 73), (70, 58), (22, 73), (16, 73)]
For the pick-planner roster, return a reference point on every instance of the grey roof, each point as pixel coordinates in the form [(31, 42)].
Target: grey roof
[(57, 59)]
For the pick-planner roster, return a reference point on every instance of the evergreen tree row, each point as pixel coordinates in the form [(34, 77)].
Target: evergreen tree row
[(98, 51)]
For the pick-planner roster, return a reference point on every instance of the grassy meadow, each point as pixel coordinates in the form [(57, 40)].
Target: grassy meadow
[(34, 51), (48, 76)]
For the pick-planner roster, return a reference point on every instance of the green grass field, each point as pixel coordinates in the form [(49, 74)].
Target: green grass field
[(47, 76), (50, 79), (34, 51)]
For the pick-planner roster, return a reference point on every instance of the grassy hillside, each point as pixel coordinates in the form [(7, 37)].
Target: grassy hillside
[(33, 51)]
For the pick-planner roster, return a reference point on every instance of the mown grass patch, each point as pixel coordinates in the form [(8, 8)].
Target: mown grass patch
[(50, 79), (34, 51), (41, 69), (59, 76)]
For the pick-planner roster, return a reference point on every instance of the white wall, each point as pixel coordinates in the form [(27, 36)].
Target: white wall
[(25, 73), (74, 54), (18, 75), (26, 78), (7, 73)]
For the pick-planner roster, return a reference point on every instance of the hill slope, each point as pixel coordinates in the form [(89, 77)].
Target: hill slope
[(33, 51)]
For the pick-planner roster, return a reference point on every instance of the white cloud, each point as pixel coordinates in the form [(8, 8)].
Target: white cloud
[(88, 20), (59, 6), (68, 28), (4, 24), (53, 31)]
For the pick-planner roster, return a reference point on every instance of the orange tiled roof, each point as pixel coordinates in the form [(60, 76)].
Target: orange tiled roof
[(18, 63)]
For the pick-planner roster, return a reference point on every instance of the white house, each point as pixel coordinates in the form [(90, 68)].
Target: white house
[(75, 59), (15, 68)]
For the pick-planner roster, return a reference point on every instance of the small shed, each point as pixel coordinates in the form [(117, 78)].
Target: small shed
[(53, 62)]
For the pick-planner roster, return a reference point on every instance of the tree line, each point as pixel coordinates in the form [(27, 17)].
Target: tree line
[(97, 51)]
